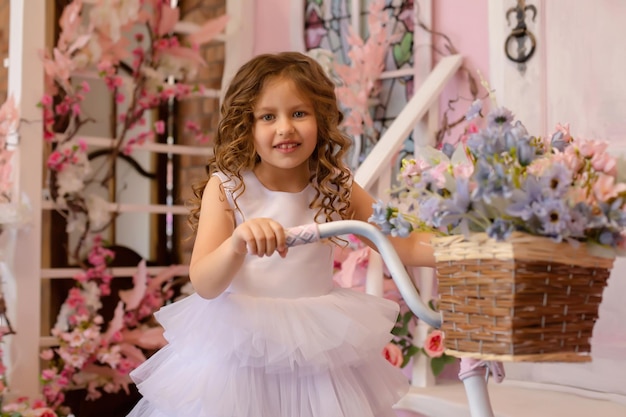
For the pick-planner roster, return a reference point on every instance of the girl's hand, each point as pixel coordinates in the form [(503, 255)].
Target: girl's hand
[(261, 237)]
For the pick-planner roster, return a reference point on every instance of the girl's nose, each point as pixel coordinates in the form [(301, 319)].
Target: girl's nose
[(285, 128)]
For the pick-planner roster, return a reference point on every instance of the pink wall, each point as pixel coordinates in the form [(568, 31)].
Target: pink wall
[(466, 24), (272, 23)]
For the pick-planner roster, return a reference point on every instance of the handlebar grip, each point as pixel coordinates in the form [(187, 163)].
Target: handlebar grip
[(301, 235)]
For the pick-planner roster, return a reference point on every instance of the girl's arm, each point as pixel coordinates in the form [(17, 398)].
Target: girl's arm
[(220, 249), (414, 250)]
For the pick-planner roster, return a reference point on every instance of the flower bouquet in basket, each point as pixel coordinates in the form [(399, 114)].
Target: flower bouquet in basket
[(526, 231)]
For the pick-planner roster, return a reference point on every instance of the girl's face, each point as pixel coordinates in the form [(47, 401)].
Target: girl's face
[(285, 128)]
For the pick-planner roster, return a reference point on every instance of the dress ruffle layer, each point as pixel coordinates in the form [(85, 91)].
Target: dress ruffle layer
[(245, 356)]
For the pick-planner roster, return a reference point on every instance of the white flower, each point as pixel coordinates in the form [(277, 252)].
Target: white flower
[(111, 356), (99, 214), (62, 324), (75, 223), (91, 292), (74, 339), (70, 181), (111, 15)]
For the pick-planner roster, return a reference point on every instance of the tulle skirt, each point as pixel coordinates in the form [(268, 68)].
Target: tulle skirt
[(245, 356)]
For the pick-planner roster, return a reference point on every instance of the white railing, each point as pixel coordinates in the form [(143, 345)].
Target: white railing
[(26, 84), (377, 161)]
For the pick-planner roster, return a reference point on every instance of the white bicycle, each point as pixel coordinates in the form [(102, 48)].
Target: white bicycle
[(474, 373)]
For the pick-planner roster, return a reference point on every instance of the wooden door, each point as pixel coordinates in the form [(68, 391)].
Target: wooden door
[(577, 75)]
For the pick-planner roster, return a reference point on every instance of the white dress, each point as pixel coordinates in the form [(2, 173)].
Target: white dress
[(281, 341)]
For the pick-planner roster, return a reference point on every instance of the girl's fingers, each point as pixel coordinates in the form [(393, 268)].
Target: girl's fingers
[(266, 240), (281, 239), (244, 240), (263, 237)]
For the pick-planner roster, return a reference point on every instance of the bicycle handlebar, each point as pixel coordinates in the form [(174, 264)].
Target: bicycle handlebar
[(313, 232)]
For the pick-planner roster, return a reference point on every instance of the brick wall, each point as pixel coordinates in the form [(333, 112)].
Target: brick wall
[(203, 111), (4, 47)]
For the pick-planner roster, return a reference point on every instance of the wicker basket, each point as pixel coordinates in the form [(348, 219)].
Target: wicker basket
[(526, 299)]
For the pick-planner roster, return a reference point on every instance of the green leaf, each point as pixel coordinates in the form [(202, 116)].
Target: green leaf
[(437, 365), (447, 359), (405, 361), (407, 318), (399, 331), (402, 51), (412, 351)]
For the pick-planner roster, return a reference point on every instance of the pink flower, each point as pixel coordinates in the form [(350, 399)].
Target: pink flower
[(46, 354), (46, 412), (48, 374), (469, 130), (192, 126), (159, 126), (590, 148), (605, 188), (604, 162), (433, 346), (393, 354), (464, 170), (569, 157), (564, 129), (413, 168), (46, 100), (438, 174)]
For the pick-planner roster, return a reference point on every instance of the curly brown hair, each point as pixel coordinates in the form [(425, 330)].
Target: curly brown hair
[(234, 149)]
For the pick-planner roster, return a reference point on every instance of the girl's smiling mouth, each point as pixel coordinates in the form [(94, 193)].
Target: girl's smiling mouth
[(287, 146)]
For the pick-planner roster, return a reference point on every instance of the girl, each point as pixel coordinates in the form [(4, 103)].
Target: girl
[(266, 334)]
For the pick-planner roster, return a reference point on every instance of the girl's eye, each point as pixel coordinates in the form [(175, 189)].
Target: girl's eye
[(299, 114), (267, 117)]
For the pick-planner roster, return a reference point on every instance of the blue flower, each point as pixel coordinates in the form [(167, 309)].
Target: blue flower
[(557, 141), (380, 216), (474, 110), (614, 215), (579, 216), (522, 200), (429, 210), (493, 182), (459, 203), (556, 180), (526, 153), (448, 149), (400, 226), (487, 143), (513, 134), (554, 218), (500, 117), (500, 229), (608, 238)]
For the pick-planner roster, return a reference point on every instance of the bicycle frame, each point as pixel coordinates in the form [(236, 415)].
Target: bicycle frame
[(474, 374)]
